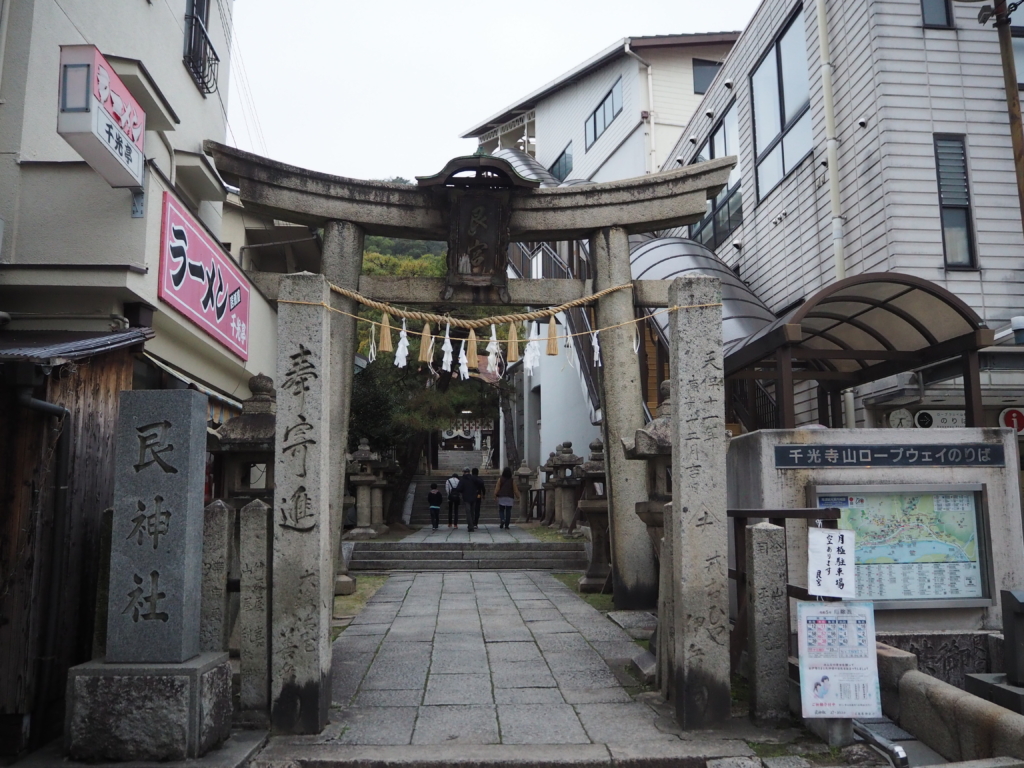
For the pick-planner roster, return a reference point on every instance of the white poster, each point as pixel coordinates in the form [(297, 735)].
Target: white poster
[(838, 666), (830, 562)]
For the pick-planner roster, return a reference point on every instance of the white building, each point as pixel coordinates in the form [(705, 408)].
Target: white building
[(924, 172), (614, 116)]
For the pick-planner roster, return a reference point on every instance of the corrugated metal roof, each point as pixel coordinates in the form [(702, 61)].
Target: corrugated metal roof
[(54, 347)]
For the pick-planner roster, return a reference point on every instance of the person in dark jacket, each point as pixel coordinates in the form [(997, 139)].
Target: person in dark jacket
[(467, 492), (478, 497), (434, 500)]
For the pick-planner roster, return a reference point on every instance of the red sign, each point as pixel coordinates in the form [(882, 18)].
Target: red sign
[(1012, 418), (200, 281)]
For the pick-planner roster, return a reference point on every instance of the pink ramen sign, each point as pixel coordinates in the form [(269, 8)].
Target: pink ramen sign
[(200, 281)]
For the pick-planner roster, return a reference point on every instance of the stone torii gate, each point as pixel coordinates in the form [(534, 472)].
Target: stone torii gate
[(316, 352)]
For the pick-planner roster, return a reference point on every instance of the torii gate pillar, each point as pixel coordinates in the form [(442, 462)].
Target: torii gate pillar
[(634, 577)]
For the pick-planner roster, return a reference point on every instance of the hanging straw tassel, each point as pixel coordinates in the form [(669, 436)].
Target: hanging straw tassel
[(385, 335), (552, 349), (425, 342), (513, 344), (471, 360)]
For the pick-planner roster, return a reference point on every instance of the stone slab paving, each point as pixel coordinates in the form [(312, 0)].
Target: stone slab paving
[(489, 668)]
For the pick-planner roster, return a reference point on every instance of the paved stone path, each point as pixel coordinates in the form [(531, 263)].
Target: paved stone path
[(439, 664)]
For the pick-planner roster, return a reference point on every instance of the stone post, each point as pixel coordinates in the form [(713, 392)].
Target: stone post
[(256, 533), (564, 463), (653, 445), (300, 688), (341, 263), (214, 623), (594, 509), (633, 573), (524, 479), (700, 570), (767, 623), (154, 697)]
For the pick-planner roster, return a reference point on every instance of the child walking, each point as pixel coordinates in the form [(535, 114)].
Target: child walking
[(434, 500)]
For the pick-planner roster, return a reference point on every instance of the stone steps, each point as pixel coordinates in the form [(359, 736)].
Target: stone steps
[(489, 556)]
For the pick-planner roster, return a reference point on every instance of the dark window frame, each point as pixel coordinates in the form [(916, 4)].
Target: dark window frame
[(593, 116), (706, 62), (761, 154), (717, 207), (972, 246), (950, 18), (551, 169)]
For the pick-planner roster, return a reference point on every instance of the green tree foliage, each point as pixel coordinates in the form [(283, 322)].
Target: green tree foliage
[(409, 248)]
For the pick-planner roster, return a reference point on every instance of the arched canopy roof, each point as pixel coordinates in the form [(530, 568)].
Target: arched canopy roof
[(664, 258), (862, 329)]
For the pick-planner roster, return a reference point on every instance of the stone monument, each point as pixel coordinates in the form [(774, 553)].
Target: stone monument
[(564, 462), (767, 623), (524, 479), (155, 696), (700, 569), (593, 508), (361, 475), (256, 535)]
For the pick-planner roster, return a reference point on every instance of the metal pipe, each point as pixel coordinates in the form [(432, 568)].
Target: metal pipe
[(61, 512), (849, 410), (1012, 96), (652, 159), (832, 142)]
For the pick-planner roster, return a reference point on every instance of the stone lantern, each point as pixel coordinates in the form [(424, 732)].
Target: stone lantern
[(564, 463), (524, 479), (653, 444), (549, 486), (594, 509), (361, 475), (246, 443)]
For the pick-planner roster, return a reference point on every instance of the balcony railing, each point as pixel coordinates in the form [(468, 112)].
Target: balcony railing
[(201, 59)]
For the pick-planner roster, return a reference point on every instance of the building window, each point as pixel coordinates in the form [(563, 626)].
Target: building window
[(703, 73), (563, 165), (725, 212), (1018, 54), (782, 117), (936, 13), (606, 111), (201, 59), (954, 201)]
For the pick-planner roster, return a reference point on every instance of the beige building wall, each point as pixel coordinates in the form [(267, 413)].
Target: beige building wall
[(70, 244)]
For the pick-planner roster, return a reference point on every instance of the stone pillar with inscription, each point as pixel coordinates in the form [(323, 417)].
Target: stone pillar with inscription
[(767, 623), (215, 615), (155, 697), (255, 537), (303, 562), (700, 569), (634, 578)]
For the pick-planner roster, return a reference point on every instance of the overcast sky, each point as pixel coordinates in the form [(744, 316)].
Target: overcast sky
[(384, 88)]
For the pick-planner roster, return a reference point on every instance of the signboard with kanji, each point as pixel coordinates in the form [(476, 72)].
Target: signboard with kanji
[(908, 455), (830, 562), (199, 280), (97, 115)]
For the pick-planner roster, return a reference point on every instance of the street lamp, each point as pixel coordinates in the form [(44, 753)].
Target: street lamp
[(1001, 12)]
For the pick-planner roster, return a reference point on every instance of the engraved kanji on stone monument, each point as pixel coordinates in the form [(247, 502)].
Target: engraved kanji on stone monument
[(156, 549)]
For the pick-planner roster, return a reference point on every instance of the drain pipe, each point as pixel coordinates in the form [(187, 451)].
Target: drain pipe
[(832, 149), (832, 142), (652, 160), (61, 512)]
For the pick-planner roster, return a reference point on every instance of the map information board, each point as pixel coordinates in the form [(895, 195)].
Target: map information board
[(914, 545)]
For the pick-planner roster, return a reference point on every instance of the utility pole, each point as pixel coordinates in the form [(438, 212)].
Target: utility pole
[(1001, 12)]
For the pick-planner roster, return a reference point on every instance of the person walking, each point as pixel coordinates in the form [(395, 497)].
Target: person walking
[(506, 492), (467, 491), (434, 499), (454, 499), (478, 496)]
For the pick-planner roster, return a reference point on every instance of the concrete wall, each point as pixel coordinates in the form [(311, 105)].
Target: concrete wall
[(565, 412), (755, 483), (86, 251)]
